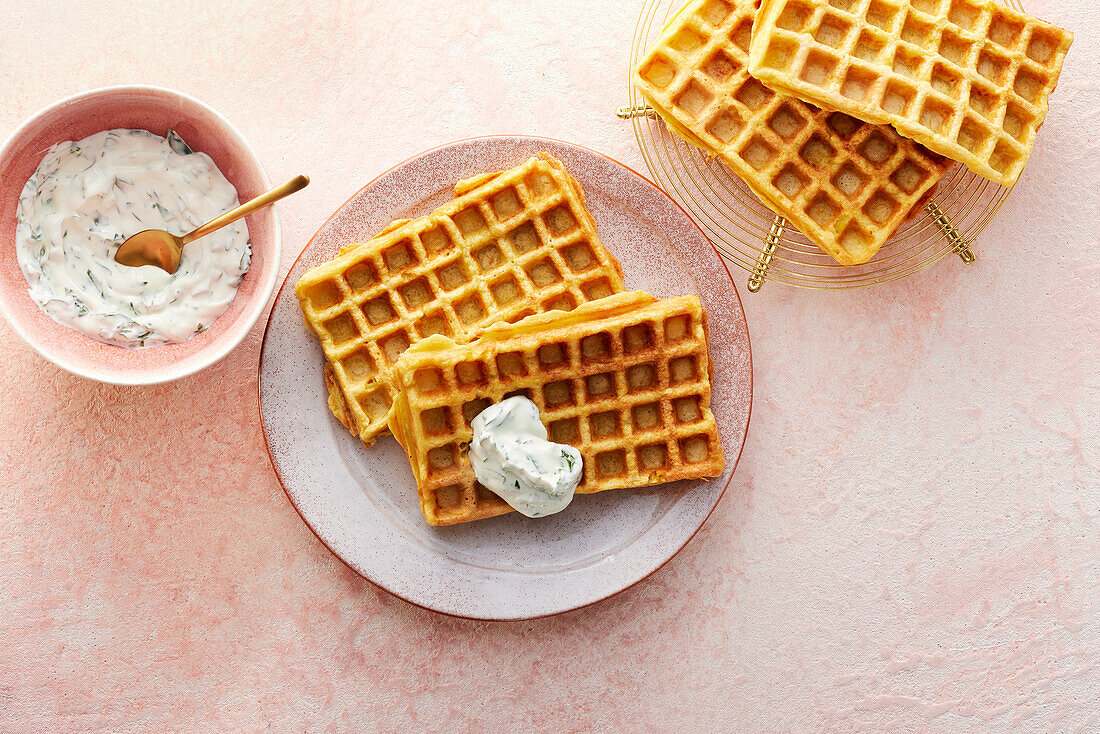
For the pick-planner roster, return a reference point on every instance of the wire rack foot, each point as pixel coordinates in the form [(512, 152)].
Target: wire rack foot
[(760, 270), (959, 244), (629, 112)]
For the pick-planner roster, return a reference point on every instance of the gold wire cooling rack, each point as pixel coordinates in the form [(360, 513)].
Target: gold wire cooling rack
[(748, 234)]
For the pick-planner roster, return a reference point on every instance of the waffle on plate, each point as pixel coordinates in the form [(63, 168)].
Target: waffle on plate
[(509, 245), (625, 380)]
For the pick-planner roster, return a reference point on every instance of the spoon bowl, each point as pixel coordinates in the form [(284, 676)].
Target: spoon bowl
[(152, 247)]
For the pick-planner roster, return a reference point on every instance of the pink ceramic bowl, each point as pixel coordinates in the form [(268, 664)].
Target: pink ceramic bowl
[(154, 109)]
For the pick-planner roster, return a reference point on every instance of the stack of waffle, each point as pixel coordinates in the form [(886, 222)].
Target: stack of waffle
[(506, 291), (842, 115)]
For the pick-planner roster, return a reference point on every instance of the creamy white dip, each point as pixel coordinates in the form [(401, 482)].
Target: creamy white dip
[(87, 197), (512, 456)]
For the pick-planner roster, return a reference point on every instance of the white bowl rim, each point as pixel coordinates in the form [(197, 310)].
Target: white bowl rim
[(262, 294)]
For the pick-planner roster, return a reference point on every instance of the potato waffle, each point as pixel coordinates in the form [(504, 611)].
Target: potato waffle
[(844, 184), (969, 79), (508, 246), (626, 380)]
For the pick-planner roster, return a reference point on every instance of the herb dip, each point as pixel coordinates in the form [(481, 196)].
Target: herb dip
[(512, 456), (87, 197)]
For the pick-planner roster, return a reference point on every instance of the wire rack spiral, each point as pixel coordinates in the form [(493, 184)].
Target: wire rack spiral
[(748, 234)]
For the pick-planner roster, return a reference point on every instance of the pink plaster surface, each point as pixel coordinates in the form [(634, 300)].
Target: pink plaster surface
[(911, 541)]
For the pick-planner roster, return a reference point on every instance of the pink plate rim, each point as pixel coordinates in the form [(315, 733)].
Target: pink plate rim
[(732, 460)]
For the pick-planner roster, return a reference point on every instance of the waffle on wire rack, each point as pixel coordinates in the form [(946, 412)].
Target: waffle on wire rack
[(969, 79)]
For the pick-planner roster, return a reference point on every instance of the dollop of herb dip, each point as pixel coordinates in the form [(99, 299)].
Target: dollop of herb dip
[(512, 455)]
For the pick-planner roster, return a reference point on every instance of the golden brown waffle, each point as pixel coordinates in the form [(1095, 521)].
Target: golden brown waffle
[(520, 243), (844, 184), (626, 380), (970, 79)]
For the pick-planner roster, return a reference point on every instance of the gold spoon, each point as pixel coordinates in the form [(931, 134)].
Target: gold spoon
[(157, 247)]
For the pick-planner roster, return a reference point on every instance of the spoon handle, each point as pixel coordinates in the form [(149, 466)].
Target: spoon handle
[(295, 184)]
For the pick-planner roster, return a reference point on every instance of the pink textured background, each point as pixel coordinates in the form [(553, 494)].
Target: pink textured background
[(910, 542)]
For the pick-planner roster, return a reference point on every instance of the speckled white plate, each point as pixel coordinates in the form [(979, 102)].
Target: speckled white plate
[(362, 503)]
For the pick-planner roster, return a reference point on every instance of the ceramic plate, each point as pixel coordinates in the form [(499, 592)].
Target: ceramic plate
[(362, 502)]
